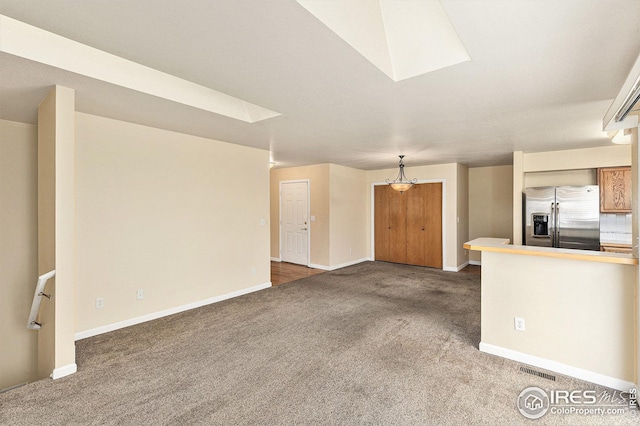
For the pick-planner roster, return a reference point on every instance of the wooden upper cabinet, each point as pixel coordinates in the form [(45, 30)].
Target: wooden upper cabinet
[(615, 189)]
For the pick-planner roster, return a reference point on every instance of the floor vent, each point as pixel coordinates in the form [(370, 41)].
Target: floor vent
[(537, 373)]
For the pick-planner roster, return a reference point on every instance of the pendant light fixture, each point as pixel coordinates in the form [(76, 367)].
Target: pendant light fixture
[(401, 183)]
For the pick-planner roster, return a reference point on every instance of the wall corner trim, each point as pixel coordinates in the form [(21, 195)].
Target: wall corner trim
[(155, 315), (64, 371), (558, 367), (455, 268), (342, 265)]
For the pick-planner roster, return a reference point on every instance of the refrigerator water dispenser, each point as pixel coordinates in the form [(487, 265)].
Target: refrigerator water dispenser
[(540, 224)]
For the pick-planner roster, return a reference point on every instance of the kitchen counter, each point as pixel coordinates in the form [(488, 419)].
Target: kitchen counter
[(575, 309), (500, 245)]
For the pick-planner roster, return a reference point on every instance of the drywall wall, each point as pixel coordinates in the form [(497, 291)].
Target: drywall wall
[(348, 235), (338, 202), (573, 159), (462, 206), (490, 206), (18, 251), (581, 315), (318, 176), (166, 213), (635, 189), (56, 231), (448, 174), (579, 177), (517, 199)]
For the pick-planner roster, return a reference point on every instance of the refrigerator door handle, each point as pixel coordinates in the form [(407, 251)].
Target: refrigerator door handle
[(557, 225), (553, 224)]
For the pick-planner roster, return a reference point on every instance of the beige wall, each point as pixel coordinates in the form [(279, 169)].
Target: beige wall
[(577, 313), (156, 211), (561, 177), (318, 176), (335, 195), (463, 214), (18, 251), (573, 159), (449, 174), (338, 200), (518, 188), (635, 187), (46, 173), (490, 204), (56, 231), (349, 235)]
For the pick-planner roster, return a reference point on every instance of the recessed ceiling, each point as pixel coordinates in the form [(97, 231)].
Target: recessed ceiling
[(541, 76)]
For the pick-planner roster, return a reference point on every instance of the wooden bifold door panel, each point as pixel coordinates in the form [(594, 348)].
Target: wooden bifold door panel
[(408, 226)]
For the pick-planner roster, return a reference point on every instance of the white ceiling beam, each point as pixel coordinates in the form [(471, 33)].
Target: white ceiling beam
[(35, 44)]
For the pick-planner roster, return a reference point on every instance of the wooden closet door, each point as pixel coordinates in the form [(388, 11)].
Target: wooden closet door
[(433, 224), (397, 225), (408, 227), (381, 223), (416, 223), (424, 225)]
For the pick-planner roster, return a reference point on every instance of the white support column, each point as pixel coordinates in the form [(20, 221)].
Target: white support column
[(56, 231), (518, 188), (635, 188)]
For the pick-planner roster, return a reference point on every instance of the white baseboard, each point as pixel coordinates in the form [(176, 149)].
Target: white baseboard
[(155, 315), (455, 269), (475, 262), (276, 259), (558, 367), (342, 265), (63, 371)]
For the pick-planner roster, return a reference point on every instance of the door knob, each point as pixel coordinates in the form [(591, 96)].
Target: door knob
[(303, 229)]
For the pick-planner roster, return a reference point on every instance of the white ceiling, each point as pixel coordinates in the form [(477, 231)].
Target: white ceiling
[(541, 76)]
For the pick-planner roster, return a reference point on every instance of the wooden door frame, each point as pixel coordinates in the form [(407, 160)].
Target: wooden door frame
[(444, 225), (308, 182)]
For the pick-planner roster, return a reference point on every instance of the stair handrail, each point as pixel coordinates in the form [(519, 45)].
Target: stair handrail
[(32, 324)]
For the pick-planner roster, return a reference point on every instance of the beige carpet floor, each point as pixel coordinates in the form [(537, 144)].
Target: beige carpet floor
[(374, 343)]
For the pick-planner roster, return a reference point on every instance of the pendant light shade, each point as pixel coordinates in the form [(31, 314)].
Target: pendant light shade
[(401, 183)]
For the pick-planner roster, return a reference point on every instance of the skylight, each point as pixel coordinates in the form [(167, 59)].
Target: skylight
[(402, 38)]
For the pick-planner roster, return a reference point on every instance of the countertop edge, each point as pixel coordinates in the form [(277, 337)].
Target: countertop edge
[(497, 245)]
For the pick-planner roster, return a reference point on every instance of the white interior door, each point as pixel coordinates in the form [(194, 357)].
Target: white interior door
[(294, 225)]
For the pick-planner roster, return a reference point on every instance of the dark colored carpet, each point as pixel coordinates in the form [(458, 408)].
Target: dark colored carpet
[(375, 343)]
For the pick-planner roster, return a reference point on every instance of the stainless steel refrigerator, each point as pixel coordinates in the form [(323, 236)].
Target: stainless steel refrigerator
[(563, 216)]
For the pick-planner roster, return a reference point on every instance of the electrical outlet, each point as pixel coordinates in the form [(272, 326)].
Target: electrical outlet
[(518, 323), (100, 303), (253, 271), (139, 294)]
